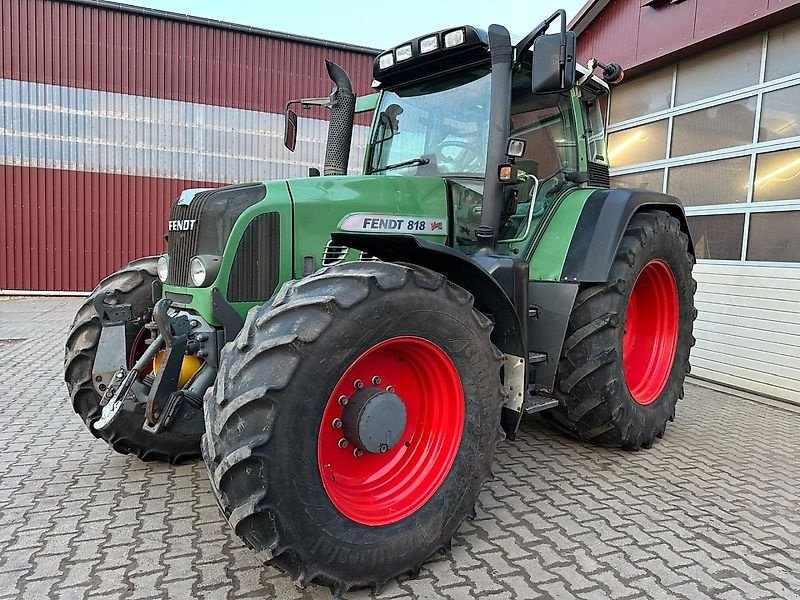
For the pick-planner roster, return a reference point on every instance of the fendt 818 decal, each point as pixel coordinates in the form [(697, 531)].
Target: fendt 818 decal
[(394, 224)]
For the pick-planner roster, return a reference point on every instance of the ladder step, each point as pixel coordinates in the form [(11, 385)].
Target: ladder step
[(534, 404), (536, 357)]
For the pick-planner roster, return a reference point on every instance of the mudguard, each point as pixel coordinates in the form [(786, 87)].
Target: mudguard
[(601, 225)]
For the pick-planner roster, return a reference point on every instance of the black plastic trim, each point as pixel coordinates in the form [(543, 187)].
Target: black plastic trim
[(551, 303)]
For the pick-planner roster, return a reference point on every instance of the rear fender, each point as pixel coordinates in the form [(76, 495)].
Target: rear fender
[(600, 228)]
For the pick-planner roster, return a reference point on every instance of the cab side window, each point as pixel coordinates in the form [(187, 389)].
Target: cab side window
[(595, 109)]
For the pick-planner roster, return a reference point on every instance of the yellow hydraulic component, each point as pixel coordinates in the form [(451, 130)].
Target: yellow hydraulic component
[(190, 366)]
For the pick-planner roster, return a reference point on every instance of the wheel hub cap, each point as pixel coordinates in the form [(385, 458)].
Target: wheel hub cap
[(374, 419)]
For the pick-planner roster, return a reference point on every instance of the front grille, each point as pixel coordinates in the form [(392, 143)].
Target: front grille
[(256, 265), (598, 175), (183, 244), (214, 213)]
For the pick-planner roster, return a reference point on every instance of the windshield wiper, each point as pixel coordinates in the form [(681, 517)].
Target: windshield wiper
[(408, 163)]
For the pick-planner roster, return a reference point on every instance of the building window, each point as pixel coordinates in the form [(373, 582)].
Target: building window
[(714, 128), (780, 114), (712, 73), (717, 237), (715, 182), (777, 177), (727, 145), (783, 48), (646, 180), (639, 144), (642, 96), (773, 237)]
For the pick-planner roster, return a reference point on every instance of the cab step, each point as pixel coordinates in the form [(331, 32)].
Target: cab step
[(535, 404)]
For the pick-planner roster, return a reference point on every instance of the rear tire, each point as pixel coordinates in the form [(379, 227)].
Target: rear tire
[(606, 396), (269, 427), (133, 285)]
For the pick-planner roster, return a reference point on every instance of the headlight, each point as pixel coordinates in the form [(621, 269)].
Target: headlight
[(163, 267), (203, 269)]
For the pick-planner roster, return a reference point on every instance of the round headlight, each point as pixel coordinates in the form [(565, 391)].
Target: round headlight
[(197, 271), (163, 267)]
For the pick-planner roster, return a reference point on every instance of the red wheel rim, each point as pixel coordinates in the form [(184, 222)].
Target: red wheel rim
[(378, 489), (651, 332), (137, 349)]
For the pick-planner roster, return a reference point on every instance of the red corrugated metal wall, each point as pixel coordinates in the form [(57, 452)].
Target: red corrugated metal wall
[(64, 229), (632, 32)]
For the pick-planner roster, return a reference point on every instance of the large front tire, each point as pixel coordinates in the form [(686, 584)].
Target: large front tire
[(133, 285), (626, 354), (312, 507)]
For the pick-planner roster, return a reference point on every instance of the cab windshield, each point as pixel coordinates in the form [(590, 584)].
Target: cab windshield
[(439, 128)]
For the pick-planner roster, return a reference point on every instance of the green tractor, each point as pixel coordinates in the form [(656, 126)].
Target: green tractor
[(346, 351)]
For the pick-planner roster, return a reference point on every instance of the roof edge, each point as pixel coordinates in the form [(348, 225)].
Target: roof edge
[(195, 20), (587, 14)]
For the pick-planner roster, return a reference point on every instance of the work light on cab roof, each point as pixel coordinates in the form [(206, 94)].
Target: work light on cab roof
[(431, 53)]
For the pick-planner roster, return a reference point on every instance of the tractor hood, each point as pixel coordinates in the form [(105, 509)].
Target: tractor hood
[(377, 204)]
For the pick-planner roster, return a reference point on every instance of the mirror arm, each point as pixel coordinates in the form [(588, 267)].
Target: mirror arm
[(527, 41)]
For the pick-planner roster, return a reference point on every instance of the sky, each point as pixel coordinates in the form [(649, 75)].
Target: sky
[(379, 24)]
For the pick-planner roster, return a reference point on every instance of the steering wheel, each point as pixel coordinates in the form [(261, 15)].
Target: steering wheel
[(464, 160)]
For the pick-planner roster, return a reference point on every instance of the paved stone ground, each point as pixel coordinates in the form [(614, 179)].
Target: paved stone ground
[(712, 511)]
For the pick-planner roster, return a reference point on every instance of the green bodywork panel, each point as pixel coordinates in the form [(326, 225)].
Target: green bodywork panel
[(548, 251), (311, 209), (322, 203)]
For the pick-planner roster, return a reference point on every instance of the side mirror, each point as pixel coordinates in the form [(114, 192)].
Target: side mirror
[(553, 63), (290, 130)]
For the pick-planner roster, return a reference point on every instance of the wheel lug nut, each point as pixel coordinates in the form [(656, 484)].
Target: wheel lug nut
[(384, 448), (389, 388), (342, 443), (358, 452), (343, 400), (358, 384), (376, 380), (337, 423)]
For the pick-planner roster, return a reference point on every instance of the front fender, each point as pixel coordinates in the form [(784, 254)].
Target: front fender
[(463, 270)]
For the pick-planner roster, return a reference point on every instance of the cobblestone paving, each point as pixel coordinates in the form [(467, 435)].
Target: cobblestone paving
[(712, 511)]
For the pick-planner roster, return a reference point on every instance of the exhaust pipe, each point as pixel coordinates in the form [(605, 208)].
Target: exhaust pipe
[(501, 53), (340, 128)]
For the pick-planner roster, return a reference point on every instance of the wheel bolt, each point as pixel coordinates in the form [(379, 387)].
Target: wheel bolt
[(342, 443), (337, 423), (376, 380), (389, 388), (343, 400), (358, 384), (384, 448), (358, 452)]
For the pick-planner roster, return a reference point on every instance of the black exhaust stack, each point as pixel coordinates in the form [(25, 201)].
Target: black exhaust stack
[(499, 109), (340, 128)]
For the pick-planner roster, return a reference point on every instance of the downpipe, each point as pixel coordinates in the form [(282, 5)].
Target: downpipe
[(499, 117), (340, 128)]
